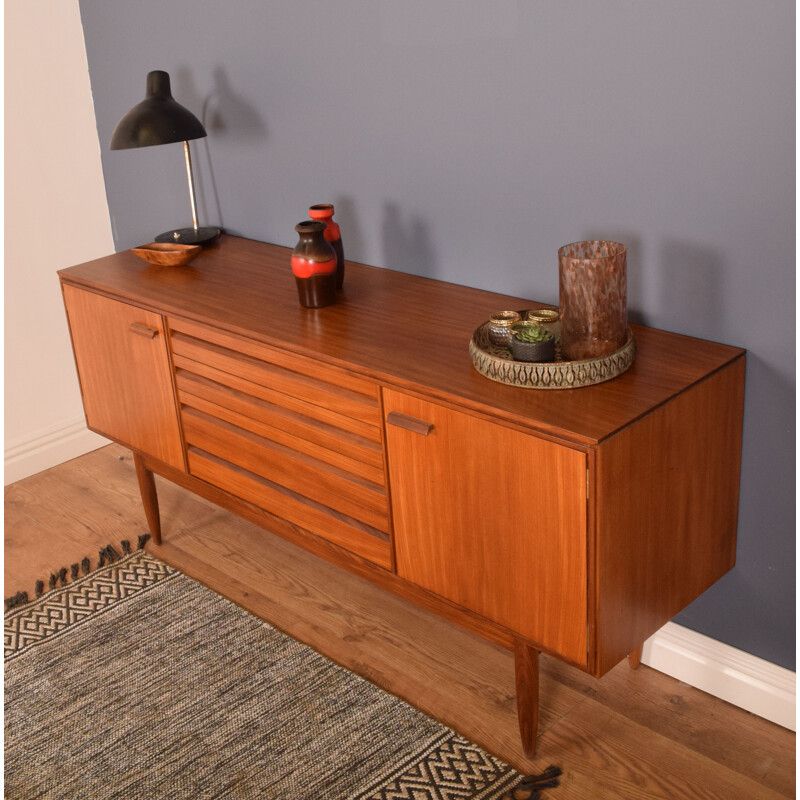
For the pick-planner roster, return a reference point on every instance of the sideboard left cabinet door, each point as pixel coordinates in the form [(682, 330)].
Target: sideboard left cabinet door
[(124, 371), (491, 518)]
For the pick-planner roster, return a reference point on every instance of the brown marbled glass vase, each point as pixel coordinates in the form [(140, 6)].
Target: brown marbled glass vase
[(592, 290)]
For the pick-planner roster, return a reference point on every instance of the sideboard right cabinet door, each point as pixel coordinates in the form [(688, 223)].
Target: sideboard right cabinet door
[(492, 519)]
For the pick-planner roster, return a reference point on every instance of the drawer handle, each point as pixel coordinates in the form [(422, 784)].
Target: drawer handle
[(143, 330), (409, 423)]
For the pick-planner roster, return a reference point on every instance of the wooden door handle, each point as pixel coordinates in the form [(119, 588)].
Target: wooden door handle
[(143, 330), (409, 423)]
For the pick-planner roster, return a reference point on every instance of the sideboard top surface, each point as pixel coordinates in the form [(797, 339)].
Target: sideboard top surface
[(409, 331)]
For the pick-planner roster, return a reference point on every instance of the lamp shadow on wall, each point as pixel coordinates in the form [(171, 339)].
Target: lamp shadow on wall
[(225, 114), (406, 242)]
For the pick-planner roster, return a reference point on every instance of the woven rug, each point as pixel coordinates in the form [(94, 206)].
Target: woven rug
[(135, 682)]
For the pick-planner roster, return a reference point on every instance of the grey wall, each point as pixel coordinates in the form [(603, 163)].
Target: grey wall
[(468, 140)]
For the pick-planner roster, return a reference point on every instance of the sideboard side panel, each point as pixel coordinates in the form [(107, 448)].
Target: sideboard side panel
[(667, 509)]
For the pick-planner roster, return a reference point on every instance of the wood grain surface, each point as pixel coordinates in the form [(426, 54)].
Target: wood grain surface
[(526, 672), (494, 520), (303, 516), (302, 474), (433, 321), (667, 507), (123, 372)]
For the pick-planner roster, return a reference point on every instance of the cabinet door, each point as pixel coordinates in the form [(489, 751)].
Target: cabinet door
[(124, 371), (492, 519)]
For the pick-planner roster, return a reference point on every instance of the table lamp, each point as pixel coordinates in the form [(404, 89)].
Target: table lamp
[(159, 119)]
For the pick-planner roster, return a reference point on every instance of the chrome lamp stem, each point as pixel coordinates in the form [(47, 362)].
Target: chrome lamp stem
[(188, 158)]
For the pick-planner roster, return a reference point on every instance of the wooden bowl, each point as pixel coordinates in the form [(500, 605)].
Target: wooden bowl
[(167, 254)]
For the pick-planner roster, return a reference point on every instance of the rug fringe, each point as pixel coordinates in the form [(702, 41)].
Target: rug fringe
[(107, 555), (528, 788), (19, 599)]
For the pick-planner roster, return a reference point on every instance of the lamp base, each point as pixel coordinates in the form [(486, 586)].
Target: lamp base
[(189, 236)]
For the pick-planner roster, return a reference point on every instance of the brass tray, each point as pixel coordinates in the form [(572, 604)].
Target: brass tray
[(497, 364)]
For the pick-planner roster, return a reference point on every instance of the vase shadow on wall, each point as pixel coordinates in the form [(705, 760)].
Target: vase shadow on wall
[(352, 238), (634, 269), (407, 244), (691, 279)]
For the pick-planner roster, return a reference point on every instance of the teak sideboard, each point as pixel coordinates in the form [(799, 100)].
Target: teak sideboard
[(574, 522)]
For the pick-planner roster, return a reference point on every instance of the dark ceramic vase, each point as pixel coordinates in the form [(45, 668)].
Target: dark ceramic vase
[(323, 212), (314, 266)]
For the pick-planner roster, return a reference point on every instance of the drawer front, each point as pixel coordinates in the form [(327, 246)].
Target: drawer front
[(290, 374), (299, 439), (320, 520)]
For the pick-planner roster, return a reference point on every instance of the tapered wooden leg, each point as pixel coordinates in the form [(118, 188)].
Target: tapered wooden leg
[(635, 658), (147, 488), (526, 668)]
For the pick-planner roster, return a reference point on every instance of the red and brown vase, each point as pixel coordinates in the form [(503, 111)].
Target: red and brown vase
[(314, 266), (324, 213)]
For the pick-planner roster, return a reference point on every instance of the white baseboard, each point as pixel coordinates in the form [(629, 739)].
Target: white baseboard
[(732, 675), (47, 447)]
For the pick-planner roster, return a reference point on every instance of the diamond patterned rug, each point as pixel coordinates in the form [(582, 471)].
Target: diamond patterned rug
[(136, 682)]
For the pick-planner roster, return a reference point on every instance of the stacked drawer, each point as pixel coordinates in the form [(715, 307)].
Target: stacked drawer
[(297, 438)]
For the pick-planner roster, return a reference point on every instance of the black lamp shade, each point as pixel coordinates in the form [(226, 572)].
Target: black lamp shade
[(158, 119)]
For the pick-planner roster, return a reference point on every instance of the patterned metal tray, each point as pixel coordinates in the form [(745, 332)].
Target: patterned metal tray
[(497, 364)]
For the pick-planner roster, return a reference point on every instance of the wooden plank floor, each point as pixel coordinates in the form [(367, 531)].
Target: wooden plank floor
[(629, 735)]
